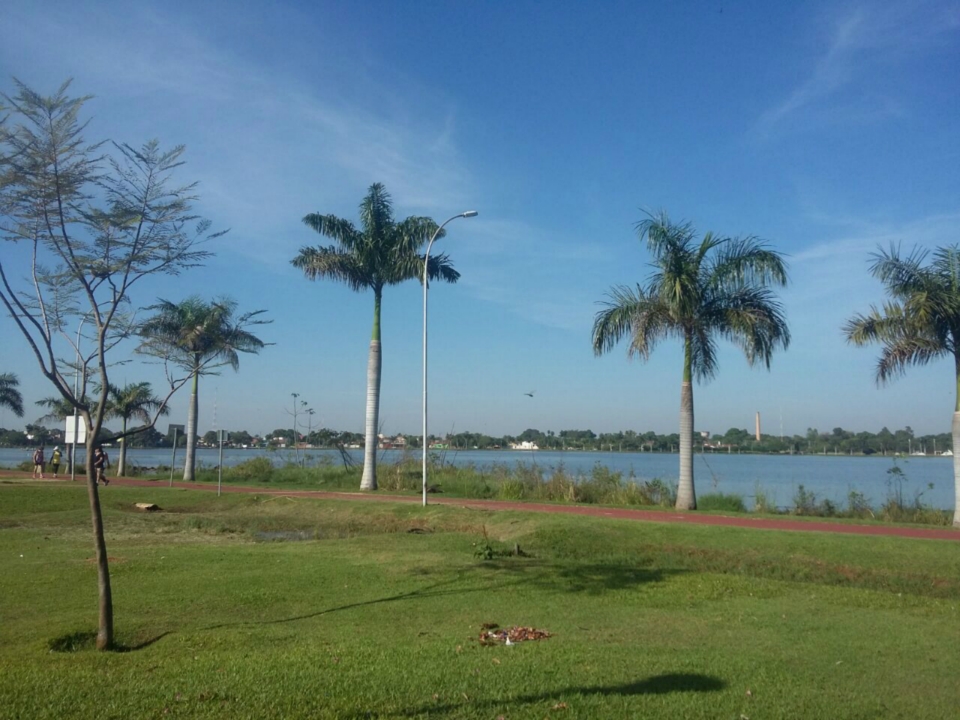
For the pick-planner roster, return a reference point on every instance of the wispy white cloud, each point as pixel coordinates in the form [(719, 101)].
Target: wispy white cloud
[(856, 43), (543, 277), (831, 279), (267, 146)]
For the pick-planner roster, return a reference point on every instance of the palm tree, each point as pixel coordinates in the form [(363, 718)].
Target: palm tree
[(717, 288), (383, 252), (58, 408), (199, 337), (137, 402), (920, 323), (10, 396)]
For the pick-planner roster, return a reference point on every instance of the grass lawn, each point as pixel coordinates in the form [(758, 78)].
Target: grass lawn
[(269, 607)]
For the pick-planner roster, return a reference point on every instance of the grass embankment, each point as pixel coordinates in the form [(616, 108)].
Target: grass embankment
[(600, 486), (264, 607)]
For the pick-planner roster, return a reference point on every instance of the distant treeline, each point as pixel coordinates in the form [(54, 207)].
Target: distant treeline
[(735, 440)]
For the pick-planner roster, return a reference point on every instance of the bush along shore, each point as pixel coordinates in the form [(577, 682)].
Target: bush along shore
[(601, 486)]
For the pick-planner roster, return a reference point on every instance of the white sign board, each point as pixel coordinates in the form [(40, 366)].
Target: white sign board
[(71, 422)]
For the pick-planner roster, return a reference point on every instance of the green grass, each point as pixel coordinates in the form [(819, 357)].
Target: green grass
[(270, 607)]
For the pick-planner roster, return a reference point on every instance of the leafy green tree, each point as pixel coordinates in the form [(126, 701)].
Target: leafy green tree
[(699, 292), (199, 337), (10, 396), (86, 223), (134, 401), (918, 324), (382, 252)]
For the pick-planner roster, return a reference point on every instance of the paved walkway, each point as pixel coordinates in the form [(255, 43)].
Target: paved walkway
[(660, 516)]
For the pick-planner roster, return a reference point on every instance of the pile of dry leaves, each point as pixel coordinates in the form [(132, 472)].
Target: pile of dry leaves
[(493, 634)]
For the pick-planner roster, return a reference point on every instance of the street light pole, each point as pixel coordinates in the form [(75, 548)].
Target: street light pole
[(76, 413), (426, 263)]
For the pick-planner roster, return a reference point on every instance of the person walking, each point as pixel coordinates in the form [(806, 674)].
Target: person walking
[(55, 460), (38, 463), (100, 463)]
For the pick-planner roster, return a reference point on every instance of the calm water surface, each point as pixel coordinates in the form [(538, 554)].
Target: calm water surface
[(779, 476)]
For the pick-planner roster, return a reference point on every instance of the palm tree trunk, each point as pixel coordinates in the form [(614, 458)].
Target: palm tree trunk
[(189, 461), (686, 495), (956, 449), (122, 463), (369, 480), (105, 628)]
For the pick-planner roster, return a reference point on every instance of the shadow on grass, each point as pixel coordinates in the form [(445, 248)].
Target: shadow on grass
[(579, 578), (435, 590), (656, 685), (87, 640)]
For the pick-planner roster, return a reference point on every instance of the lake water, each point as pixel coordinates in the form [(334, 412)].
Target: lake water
[(779, 476)]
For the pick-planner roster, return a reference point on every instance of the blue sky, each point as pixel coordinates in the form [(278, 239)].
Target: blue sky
[(825, 128)]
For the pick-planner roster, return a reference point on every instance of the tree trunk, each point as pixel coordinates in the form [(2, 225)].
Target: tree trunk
[(105, 629), (189, 461), (369, 480), (122, 462), (686, 495), (956, 469)]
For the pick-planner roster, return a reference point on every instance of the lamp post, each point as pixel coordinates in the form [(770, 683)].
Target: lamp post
[(76, 413), (426, 263)]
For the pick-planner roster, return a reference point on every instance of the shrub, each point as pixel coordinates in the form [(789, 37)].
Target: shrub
[(804, 502), (510, 490), (659, 492), (858, 506), (763, 503), (257, 468), (720, 502)]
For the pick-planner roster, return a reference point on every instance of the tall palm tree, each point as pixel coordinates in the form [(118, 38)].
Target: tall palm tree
[(199, 337), (920, 322), (699, 292), (382, 252), (10, 396), (133, 401)]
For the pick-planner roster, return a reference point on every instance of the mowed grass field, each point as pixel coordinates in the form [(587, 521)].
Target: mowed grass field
[(269, 607)]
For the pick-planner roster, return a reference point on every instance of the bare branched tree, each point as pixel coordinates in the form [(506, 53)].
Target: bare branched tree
[(84, 224)]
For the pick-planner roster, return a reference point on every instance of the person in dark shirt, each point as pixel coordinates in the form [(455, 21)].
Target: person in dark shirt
[(100, 463)]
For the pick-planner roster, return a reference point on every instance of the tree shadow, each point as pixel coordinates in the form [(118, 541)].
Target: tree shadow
[(662, 684), (488, 576), (578, 577), (83, 640), (142, 644), (430, 591)]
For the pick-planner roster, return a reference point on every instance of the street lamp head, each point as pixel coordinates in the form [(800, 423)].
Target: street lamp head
[(470, 213)]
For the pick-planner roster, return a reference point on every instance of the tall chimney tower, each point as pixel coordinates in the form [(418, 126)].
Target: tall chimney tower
[(758, 426)]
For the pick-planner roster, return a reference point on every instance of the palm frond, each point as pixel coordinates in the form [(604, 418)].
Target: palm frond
[(633, 313), (135, 401), (754, 320), (413, 233), (703, 354), (10, 396), (745, 261), (334, 263), (334, 228), (897, 356), (663, 236), (195, 334), (376, 212)]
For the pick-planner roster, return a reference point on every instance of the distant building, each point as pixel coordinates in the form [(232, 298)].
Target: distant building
[(524, 445), (398, 442)]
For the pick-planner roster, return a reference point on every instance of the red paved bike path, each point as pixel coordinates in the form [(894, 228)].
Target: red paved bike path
[(588, 510)]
